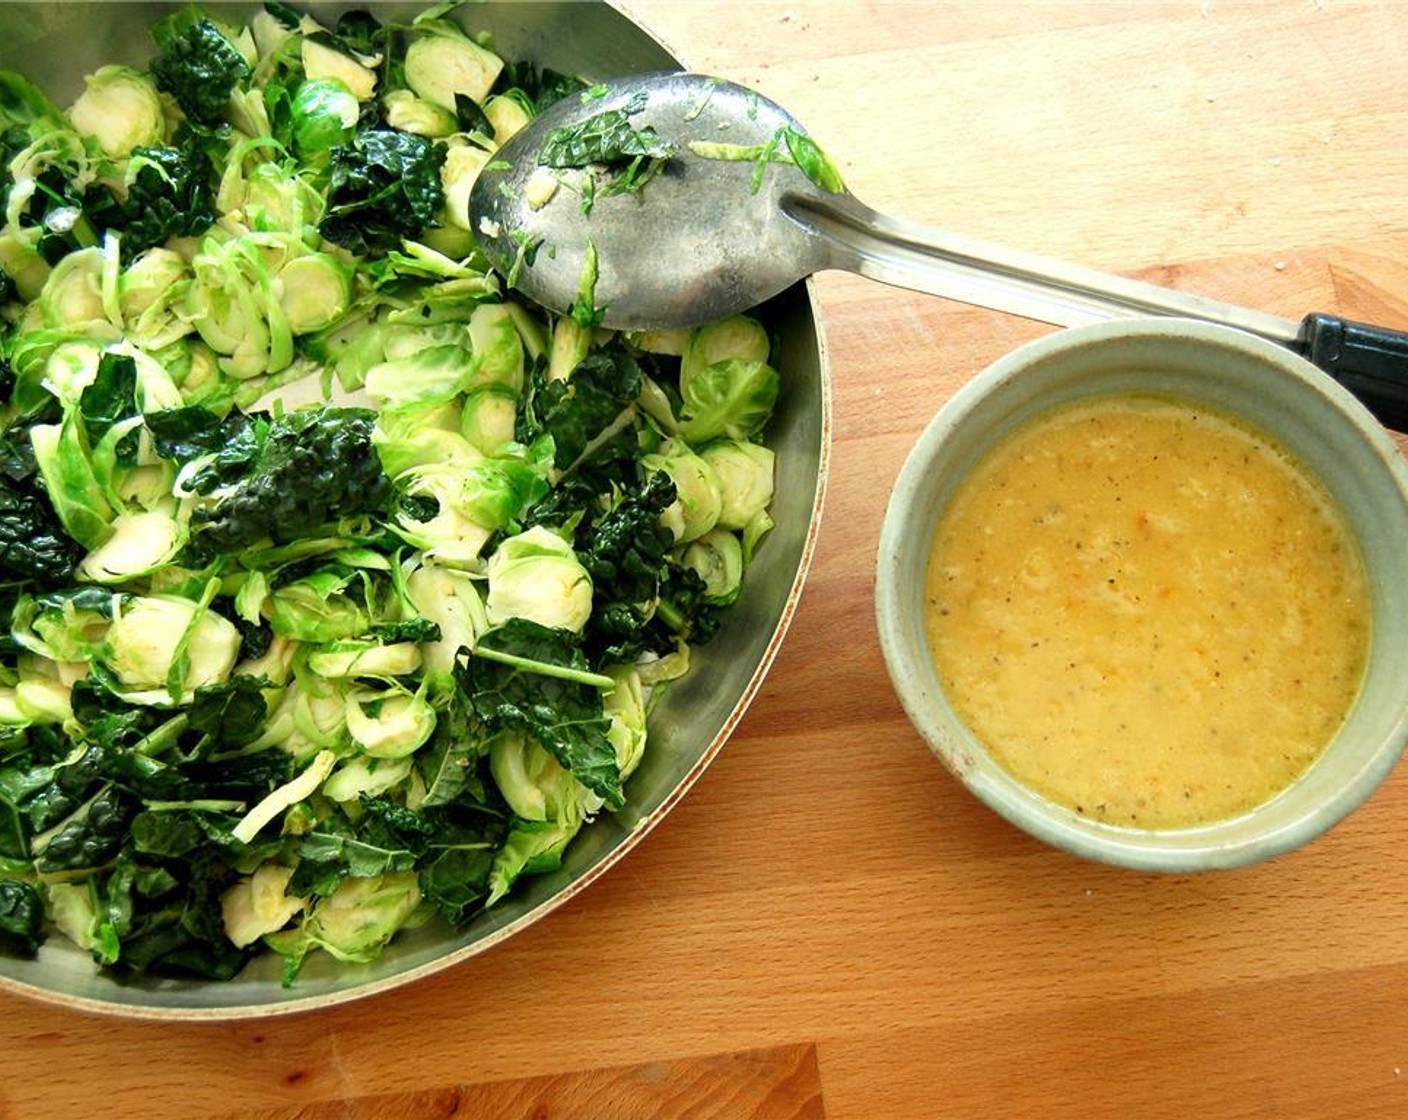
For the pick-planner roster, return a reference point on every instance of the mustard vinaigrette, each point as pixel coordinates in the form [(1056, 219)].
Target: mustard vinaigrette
[(1147, 611)]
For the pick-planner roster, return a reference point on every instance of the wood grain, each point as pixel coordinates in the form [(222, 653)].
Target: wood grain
[(781, 1083), (828, 922)]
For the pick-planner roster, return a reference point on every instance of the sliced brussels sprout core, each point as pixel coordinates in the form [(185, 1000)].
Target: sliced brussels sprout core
[(698, 502), (314, 609), (120, 108), (366, 775), (495, 340), (409, 113), (315, 291), (148, 279), (737, 337), (150, 633), (463, 163), (717, 558), (365, 659), (745, 475), (361, 916), (570, 345), (321, 63), (389, 726), (73, 292), (258, 904), (508, 114), (325, 113), (44, 701), (140, 543), (440, 65), (430, 376), (537, 576), (451, 600)]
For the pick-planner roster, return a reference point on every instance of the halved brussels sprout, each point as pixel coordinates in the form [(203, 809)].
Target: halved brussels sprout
[(536, 575), (121, 109), (150, 634), (444, 62)]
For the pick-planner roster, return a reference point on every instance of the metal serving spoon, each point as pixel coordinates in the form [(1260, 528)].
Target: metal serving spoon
[(744, 205)]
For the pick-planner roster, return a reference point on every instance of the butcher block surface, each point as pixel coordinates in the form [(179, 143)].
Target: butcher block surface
[(829, 925)]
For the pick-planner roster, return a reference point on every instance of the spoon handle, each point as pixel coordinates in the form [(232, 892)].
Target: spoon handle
[(1371, 362)]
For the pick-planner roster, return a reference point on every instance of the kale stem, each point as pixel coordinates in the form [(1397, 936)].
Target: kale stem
[(547, 668)]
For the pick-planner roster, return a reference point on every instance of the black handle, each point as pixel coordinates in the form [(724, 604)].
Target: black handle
[(1371, 362)]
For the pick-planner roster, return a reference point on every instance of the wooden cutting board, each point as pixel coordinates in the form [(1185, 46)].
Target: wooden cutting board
[(828, 926)]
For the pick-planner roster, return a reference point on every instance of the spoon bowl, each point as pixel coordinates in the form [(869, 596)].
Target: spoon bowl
[(700, 240)]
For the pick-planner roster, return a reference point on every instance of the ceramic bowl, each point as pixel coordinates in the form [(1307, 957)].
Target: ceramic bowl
[(1273, 390)]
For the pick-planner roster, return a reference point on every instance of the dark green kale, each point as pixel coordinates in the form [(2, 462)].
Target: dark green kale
[(7, 293), (383, 188), (21, 918), (289, 477), (411, 630), (627, 553), (627, 157), (385, 837), (33, 544), (361, 31), (185, 433), (170, 195), (91, 837), (286, 14), (576, 410), (471, 117), (197, 64), (110, 398), (543, 86), (166, 920), (456, 880), (538, 688), (607, 139), (232, 713)]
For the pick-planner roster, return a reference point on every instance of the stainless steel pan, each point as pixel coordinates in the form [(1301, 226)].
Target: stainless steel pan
[(55, 44)]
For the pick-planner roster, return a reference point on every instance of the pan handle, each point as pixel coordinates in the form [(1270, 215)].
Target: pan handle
[(1371, 362)]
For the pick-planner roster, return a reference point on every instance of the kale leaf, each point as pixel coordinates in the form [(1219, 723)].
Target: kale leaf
[(543, 86), (288, 477), (231, 713), (456, 880), (361, 31), (563, 714), (185, 433), (608, 139), (89, 839), (33, 544), (197, 65), (21, 918), (110, 398), (576, 410), (169, 195), (383, 188)]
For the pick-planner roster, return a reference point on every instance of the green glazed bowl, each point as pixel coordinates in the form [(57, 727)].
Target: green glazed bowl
[(1285, 397)]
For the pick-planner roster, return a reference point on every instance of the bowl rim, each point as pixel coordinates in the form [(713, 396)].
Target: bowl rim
[(910, 668)]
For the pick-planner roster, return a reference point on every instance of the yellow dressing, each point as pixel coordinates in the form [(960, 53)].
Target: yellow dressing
[(1147, 611)]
